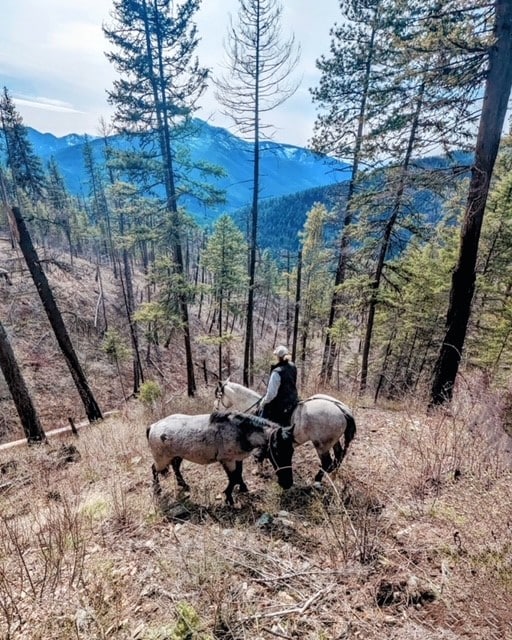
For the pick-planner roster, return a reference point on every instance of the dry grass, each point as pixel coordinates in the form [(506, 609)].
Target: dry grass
[(412, 540)]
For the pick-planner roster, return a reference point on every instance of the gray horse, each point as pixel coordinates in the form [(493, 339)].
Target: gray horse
[(321, 419), (224, 437)]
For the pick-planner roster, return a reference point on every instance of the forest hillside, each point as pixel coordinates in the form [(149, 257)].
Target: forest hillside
[(410, 539), (393, 293)]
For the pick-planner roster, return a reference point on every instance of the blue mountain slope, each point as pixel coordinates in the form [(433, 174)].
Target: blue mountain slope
[(285, 169)]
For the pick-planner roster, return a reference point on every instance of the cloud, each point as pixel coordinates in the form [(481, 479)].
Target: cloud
[(52, 58), (77, 38), (47, 104)]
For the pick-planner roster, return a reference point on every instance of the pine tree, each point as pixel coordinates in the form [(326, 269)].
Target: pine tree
[(488, 345), (221, 257), (258, 80), (159, 84), (408, 317), (316, 276), (421, 99), (26, 168), (343, 99), (498, 85), (60, 202)]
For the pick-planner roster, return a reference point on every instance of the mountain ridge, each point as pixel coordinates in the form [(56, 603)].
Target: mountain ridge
[(285, 169)]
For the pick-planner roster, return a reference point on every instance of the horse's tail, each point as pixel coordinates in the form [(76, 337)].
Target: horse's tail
[(350, 429)]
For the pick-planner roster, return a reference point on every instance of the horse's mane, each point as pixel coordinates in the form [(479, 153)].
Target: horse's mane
[(219, 417)]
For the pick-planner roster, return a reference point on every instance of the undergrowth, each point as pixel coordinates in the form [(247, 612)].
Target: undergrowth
[(411, 538)]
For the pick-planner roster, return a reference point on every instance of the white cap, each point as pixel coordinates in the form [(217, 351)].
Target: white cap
[(281, 351)]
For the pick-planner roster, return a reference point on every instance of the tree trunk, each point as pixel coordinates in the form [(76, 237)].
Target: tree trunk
[(297, 305), (19, 391), (329, 354), (386, 240), (162, 110), (249, 322), (497, 92), (129, 298), (54, 316), (220, 334)]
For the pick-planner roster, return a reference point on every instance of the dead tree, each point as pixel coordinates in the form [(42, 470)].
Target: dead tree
[(54, 316), (19, 391)]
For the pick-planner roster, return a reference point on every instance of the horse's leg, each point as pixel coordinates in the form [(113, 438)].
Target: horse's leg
[(176, 463), (240, 481), (339, 454), (234, 475), (157, 489), (327, 465)]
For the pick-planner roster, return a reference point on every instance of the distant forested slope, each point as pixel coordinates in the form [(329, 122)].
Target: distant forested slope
[(281, 219)]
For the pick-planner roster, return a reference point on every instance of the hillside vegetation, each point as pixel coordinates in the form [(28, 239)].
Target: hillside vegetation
[(393, 293), (410, 540)]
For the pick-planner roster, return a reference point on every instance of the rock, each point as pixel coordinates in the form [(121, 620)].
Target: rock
[(264, 521), (84, 619)]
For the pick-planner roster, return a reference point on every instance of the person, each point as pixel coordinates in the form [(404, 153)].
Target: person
[(281, 397)]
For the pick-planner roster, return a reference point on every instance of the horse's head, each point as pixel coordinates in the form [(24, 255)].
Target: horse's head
[(280, 452), (222, 400)]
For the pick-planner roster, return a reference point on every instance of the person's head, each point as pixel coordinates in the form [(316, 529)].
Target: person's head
[(281, 352)]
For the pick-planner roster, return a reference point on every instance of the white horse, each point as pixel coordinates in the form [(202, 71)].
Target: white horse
[(321, 419), (224, 437)]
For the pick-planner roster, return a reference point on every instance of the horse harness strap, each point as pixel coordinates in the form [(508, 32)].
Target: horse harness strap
[(253, 405)]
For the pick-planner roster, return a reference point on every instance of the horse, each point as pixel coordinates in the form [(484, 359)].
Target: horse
[(225, 437), (321, 419)]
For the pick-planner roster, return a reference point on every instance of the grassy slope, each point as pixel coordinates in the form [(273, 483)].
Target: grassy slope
[(410, 540)]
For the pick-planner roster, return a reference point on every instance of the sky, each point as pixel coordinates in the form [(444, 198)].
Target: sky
[(53, 64)]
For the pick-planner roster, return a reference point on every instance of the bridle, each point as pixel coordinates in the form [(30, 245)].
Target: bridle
[(270, 452), (219, 395), (275, 464)]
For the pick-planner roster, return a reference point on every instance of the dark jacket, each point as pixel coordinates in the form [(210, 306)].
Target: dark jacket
[(281, 407)]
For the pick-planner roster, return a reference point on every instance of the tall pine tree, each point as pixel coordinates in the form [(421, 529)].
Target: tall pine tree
[(260, 67), (160, 81)]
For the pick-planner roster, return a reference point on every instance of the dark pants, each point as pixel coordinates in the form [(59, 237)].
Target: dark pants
[(280, 415)]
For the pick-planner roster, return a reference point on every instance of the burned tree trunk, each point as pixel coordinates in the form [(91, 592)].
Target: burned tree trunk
[(497, 93), (19, 391), (54, 316)]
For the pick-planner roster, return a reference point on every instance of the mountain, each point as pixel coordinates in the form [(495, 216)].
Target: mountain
[(281, 219), (285, 169)]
